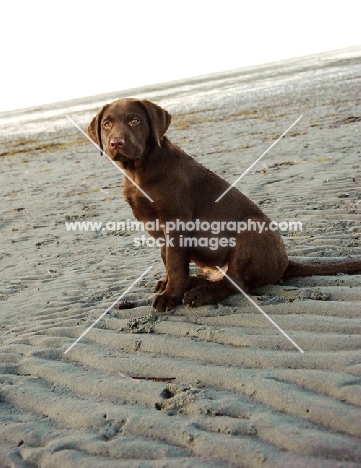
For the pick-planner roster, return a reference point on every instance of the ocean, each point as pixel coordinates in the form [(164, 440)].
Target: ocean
[(235, 87)]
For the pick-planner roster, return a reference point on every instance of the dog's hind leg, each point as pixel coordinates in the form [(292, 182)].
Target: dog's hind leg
[(213, 293)]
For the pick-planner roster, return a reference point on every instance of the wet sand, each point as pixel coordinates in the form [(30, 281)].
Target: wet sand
[(212, 386)]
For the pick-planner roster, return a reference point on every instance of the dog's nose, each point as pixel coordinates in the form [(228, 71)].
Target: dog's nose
[(117, 142)]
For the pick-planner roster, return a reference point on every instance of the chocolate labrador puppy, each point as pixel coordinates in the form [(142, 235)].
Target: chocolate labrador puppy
[(184, 217)]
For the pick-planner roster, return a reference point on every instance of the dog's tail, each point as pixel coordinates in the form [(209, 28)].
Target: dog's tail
[(301, 269)]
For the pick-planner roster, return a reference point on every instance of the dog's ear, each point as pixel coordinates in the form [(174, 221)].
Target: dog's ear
[(159, 119), (94, 128)]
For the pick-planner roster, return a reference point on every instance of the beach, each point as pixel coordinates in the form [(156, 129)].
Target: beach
[(214, 386)]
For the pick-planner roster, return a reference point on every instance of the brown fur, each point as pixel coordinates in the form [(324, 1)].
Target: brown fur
[(132, 132)]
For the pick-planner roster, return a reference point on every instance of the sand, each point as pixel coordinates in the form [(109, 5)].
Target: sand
[(213, 386)]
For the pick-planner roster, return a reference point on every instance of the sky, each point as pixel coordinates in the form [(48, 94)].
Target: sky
[(53, 51)]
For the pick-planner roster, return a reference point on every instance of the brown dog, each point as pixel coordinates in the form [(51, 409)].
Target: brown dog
[(183, 191)]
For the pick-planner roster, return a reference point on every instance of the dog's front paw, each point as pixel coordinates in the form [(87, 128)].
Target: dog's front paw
[(165, 302), (160, 285)]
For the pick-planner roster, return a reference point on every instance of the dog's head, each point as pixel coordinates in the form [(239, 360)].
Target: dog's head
[(126, 127)]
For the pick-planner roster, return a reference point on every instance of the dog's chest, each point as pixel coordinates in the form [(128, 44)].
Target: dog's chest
[(141, 207)]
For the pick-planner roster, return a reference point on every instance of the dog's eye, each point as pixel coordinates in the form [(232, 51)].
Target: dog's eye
[(106, 124), (135, 121)]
